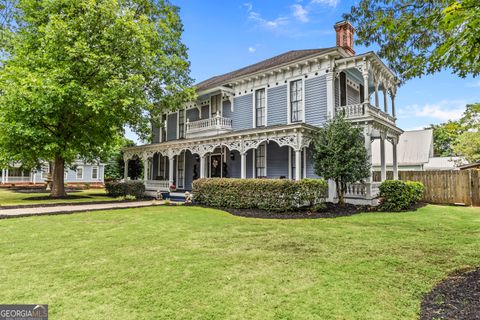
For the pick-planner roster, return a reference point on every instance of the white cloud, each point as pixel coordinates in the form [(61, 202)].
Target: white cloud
[(331, 3), (300, 12), (444, 110), (251, 49), (262, 22), (474, 84)]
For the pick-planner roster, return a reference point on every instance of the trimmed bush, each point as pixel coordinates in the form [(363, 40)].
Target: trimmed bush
[(397, 195), (124, 189), (268, 194)]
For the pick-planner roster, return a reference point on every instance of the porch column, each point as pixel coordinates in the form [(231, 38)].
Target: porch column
[(377, 99), (170, 169), (243, 158), (383, 164), (6, 175), (202, 166), (330, 77), (385, 101), (125, 169), (395, 160), (393, 104), (145, 169), (298, 164), (3, 176), (368, 147), (365, 83)]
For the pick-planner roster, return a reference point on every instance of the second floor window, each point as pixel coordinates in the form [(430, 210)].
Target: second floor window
[(260, 107), (260, 163), (181, 124), (163, 128), (215, 105), (296, 103)]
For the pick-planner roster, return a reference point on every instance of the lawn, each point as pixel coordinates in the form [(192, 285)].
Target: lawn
[(197, 263), (10, 197)]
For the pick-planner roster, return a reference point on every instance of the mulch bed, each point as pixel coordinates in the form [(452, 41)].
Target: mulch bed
[(457, 297), (331, 211)]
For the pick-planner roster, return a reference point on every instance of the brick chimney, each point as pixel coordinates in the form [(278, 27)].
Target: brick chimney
[(345, 32)]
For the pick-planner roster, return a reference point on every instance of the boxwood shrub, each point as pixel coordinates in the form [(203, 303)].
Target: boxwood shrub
[(123, 189), (396, 195), (268, 194)]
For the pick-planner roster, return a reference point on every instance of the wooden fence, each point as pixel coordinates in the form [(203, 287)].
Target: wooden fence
[(448, 187)]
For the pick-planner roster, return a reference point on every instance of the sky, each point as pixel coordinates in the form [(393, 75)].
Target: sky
[(225, 35)]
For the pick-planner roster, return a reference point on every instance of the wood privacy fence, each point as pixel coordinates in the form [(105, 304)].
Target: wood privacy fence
[(448, 187)]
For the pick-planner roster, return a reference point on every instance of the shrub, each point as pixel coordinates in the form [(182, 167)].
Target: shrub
[(267, 194), (399, 195), (123, 189)]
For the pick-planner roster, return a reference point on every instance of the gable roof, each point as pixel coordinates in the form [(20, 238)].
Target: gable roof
[(276, 61), (414, 148)]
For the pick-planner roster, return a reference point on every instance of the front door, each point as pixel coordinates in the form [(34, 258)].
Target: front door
[(216, 166)]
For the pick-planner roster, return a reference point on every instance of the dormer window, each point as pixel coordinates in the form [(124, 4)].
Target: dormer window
[(296, 101)]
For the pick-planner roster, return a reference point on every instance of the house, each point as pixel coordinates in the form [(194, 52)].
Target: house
[(415, 153), (255, 122), (81, 172)]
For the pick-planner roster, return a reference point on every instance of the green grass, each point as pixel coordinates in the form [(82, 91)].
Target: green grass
[(11, 197), (197, 263)]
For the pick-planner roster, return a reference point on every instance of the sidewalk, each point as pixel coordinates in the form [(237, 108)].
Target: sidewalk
[(37, 211)]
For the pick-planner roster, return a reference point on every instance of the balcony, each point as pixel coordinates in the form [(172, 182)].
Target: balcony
[(208, 127), (363, 110)]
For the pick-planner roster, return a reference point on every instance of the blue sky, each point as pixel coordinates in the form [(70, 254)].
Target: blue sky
[(226, 35)]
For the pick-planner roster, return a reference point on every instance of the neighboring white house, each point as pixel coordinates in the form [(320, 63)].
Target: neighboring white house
[(81, 172), (415, 153)]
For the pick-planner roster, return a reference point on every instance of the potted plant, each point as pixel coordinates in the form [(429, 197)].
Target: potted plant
[(173, 188)]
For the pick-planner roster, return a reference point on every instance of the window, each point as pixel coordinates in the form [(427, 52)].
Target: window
[(343, 89), (260, 163), (296, 103), (65, 175), (215, 105), (181, 170), (94, 172), (79, 172), (181, 124), (163, 129), (260, 107)]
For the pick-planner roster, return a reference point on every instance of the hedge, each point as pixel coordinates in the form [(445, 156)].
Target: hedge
[(268, 194), (124, 189), (396, 195)]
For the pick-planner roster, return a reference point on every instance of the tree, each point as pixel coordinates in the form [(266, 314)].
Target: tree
[(75, 73), (419, 37), (340, 154), (468, 145), (445, 136), (116, 165)]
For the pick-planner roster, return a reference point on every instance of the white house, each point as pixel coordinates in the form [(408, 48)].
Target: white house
[(255, 122)]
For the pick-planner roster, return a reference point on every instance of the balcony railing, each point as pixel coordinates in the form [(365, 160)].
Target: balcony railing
[(362, 110), (208, 127)]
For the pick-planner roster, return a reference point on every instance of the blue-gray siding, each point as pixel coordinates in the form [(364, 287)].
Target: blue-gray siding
[(234, 165), (277, 161), (71, 175), (277, 105), (242, 115), (316, 101), (172, 127)]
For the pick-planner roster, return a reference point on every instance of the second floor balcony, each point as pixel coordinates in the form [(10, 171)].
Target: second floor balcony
[(363, 110), (208, 127)]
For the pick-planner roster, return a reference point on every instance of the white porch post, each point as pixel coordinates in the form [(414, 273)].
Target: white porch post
[(6, 175), (34, 177), (393, 103), (125, 169), (171, 159), (368, 147), (243, 158), (202, 166), (383, 163), (377, 100), (3, 176), (395, 160), (385, 100), (365, 83), (330, 94), (298, 164), (145, 169)]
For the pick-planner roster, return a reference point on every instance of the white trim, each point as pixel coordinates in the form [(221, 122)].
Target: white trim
[(98, 172), (289, 106)]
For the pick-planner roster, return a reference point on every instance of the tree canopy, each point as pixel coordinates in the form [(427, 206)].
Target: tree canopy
[(420, 37), (340, 154), (75, 73)]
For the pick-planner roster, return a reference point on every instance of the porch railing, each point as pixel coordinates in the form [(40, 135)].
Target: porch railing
[(212, 125), (361, 190), (354, 111), (157, 185)]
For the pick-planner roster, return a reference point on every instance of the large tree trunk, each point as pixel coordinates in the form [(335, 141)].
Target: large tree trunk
[(58, 187), (340, 192)]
